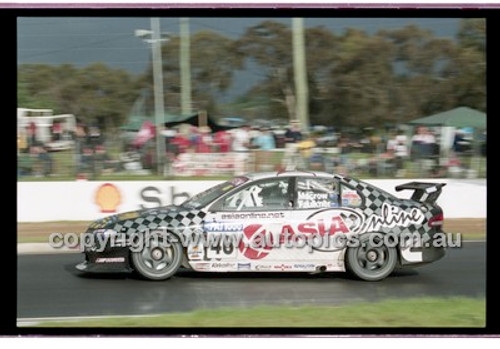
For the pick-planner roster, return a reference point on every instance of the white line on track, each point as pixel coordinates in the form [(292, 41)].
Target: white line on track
[(26, 322), (43, 248)]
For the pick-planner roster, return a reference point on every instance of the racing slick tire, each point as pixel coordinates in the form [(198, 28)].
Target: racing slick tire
[(371, 260), (159, 259)]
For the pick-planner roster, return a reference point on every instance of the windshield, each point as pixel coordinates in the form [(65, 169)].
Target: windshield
[(204, 198)]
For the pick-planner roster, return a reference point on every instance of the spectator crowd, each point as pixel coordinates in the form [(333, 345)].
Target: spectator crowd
[(391, 153)]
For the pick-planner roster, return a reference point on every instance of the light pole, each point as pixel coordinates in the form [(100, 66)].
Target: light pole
[(155, 42), (300, 73), (184, 59)]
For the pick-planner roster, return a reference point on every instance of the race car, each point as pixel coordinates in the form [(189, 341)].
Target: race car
[(274, 222)]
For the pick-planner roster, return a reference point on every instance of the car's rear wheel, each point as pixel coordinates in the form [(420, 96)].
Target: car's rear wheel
[(372, 260), (159, 259)]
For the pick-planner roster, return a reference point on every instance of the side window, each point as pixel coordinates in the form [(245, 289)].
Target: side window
[(263, 195), (350, 197), (317, 193)]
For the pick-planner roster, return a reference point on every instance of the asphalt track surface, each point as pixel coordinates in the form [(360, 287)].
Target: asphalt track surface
[(49, 286)]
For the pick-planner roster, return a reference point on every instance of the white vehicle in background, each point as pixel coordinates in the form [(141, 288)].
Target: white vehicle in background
[(44, 120)]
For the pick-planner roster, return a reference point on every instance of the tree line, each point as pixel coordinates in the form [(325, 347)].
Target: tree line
[(355, 78)]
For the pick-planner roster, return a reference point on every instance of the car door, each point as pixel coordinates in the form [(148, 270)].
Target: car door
[(315, 220), (254, 216)]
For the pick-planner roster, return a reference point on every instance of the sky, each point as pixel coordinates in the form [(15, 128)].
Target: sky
[(85, 40)]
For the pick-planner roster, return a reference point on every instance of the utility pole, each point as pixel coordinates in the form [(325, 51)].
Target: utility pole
[(300, 74), (158, 93), (185, 65)]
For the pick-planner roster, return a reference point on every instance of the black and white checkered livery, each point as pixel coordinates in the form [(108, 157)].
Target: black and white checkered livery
[(376, 198), (363, 211), (172, 218)]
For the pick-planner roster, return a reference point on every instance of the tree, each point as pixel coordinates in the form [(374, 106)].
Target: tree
[(355, 78), (322, 49), (106, 95), (420, 61), (361, 79), (39, 86), (95, 94), (269, 44), (213, 62), (467, 69), (472, 34), (359, 90)]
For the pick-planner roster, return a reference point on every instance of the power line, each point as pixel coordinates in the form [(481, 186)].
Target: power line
[(87, 48), (66, 35), (91, 62), (216, 27), (75, 47)]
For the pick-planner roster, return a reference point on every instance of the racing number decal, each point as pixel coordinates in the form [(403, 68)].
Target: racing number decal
[(220, 251)]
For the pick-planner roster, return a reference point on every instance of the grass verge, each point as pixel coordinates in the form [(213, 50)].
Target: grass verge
[(414, 312), (40, 232)]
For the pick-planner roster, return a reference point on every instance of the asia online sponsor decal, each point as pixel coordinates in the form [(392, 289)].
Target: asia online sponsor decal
[(255, 233), (258, 241), (252, 215), (355, 222), (393, 216)]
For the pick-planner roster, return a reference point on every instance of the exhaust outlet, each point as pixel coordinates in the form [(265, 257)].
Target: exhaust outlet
[(320, 269)]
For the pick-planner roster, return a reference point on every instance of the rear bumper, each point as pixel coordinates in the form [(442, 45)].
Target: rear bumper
[(429, 255)]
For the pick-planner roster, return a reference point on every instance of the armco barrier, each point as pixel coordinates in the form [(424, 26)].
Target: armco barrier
[(89, 200)]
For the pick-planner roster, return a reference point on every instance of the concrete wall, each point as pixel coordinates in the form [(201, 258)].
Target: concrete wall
[(82, 200)]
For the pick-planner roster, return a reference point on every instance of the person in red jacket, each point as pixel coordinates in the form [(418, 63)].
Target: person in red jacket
[(205, 140), (223, 141)]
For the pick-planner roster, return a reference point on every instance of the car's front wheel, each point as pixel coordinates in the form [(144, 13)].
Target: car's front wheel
[(371, 260), (158, 259)]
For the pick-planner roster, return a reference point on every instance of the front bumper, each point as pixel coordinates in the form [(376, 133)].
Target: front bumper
[(110, 261)]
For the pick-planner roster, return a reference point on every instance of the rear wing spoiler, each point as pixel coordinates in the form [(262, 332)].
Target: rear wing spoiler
[(424, 192)]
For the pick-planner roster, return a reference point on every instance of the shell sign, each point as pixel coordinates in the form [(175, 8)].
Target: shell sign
[(108, 197)]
